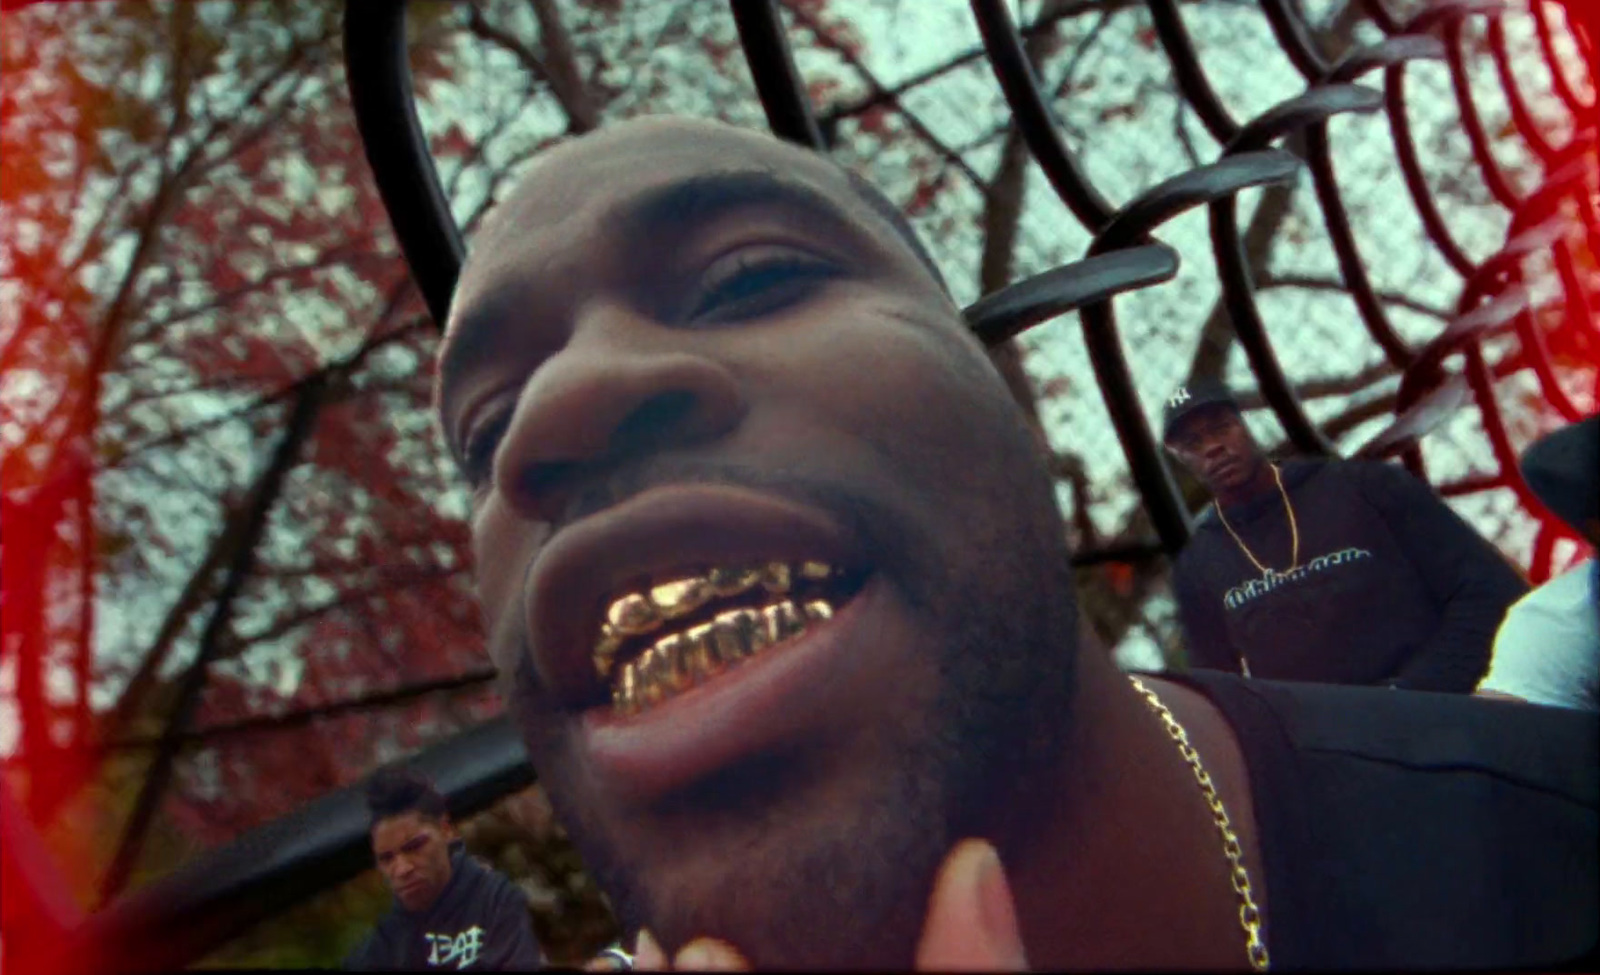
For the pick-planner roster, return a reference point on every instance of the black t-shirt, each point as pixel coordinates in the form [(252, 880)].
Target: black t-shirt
[(479, 923), (1412, 830)]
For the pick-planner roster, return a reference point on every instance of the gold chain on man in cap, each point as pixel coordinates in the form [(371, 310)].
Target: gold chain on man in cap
[(1294, 529), (1249, 914)]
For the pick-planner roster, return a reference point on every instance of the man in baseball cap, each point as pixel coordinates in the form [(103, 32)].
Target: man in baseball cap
[(1548, 648), (1336, 571)]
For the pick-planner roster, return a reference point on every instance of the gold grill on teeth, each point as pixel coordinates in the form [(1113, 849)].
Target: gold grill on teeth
[(690, 655)]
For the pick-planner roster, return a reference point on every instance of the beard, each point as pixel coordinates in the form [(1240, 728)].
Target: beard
[(843, 881)]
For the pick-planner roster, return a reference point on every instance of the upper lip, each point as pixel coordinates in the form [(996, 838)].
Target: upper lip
[(663, 532)]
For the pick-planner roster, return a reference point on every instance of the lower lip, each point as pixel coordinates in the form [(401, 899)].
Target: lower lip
[(767, 699)]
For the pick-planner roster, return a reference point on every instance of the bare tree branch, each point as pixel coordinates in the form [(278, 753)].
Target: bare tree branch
[(1310, 283), (305, 716), (827, 40), (302, 421)]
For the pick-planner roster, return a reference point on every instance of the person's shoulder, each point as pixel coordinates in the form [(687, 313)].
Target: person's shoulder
[(1205, 530), (1551, 750), (368, 954), (1363, 471), (492, 884)]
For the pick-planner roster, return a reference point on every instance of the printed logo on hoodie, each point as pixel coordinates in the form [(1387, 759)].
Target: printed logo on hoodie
[(462, 948), (1271, 578)]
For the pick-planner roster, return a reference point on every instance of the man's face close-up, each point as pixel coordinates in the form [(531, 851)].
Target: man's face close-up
[(765, 549), (1216, 446), (413, 855)]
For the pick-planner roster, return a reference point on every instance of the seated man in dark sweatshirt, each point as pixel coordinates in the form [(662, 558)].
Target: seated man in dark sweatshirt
[(451, 912), (1335, 571)]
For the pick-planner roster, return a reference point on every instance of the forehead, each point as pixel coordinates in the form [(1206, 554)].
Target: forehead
[(1215, 416), (561, 214), (396, 831)]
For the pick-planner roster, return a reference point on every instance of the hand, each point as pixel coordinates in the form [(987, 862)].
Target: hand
[(971, 925)]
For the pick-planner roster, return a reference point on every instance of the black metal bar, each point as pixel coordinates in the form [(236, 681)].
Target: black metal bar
[(223, 892), (1538, 352), (1389, 52), (1558, 76), (1006, 313), (1583, 35), (1162, 499), (1577, 297), (1033, 116), (1503, 272), (778, 83), (1505, 265), (1471, 484), (1295, 40), (1132, 224), (1233, 265), (1562, 181), (379, 75), (1238, 293), (1188, 73), (1477, 137), (1493, 317), (1341, 234), (1394, 103), (1418, 420), (1494, 426), (1315, 106), (1190, 189), (1521, 116), (1386, 21), (1445, 12), (1352, 269), (1127, 552)]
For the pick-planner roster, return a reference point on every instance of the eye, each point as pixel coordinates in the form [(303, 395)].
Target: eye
[(477, 454), (755, 282)]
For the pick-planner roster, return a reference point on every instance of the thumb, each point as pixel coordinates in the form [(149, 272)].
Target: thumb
[(971, 923)]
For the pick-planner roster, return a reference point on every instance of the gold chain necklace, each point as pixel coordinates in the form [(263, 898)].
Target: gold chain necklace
[(1249, 915), (1294, 529)]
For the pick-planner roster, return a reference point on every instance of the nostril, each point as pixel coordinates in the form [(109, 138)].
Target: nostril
[(661, 420)]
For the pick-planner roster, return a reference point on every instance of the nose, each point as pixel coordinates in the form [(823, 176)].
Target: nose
[(623, 388)]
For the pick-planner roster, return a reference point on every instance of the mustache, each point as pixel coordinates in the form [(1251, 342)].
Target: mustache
[(599, 490), (885, 535)]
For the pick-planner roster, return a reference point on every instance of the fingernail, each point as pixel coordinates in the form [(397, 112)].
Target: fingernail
[(998, 910), (707, 955), (647, 955)]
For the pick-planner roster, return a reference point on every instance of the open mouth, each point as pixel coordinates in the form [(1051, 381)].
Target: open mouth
[(659, 639)]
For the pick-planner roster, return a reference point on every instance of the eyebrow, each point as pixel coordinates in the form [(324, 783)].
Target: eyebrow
[(664, 215)]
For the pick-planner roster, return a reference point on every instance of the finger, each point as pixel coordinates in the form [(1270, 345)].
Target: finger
[(972, 922), (647, 955), (710, 955), (605, 963)]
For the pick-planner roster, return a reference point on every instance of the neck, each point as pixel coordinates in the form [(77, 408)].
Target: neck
[(1260, 482), (1121, 842)]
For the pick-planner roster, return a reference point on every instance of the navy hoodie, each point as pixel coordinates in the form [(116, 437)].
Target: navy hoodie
[(479, 923), (1393, 587)]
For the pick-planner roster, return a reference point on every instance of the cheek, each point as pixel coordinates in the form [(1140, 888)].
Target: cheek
[(916, 392), (503, 545)]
